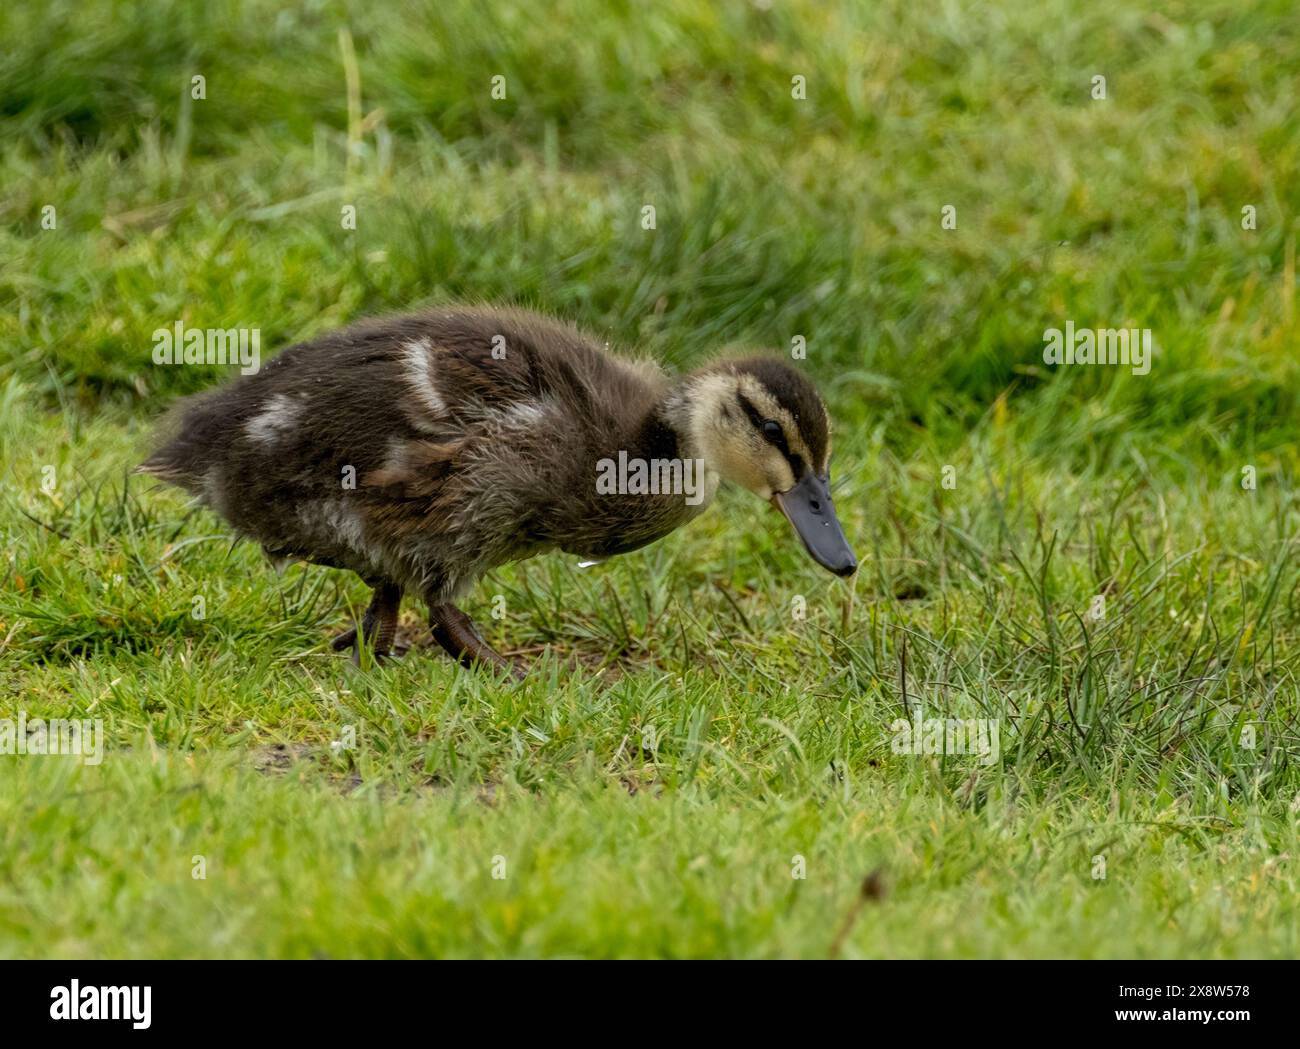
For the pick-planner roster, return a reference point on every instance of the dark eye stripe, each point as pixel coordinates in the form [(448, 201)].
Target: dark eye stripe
[(778, 441), (748, 408)]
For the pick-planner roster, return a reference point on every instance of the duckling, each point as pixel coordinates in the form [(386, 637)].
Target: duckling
[(421, 451)]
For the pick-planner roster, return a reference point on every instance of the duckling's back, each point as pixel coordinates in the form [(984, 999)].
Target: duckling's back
[(421, 449)]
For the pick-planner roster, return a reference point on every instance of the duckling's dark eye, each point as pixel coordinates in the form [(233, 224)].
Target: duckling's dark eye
[(772, 431)]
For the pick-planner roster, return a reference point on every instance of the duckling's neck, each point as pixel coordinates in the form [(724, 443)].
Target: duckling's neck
[(672, 429), (687, 407), (665, 432)]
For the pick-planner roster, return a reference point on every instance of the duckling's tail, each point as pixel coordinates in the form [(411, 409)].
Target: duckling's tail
[(157, 465), (183, 446)]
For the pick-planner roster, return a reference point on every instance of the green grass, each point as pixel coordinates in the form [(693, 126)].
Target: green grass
[(685, 735)]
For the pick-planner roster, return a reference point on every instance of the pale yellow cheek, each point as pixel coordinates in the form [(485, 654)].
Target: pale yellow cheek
[(739, 467), (757, 467), (781, 473)]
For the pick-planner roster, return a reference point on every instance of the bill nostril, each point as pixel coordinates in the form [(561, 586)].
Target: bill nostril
[(815, 506)]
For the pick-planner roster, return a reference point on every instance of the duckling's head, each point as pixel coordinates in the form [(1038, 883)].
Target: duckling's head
[(761, 424)]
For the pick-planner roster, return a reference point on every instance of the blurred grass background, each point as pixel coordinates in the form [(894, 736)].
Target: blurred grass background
[(776, 218)]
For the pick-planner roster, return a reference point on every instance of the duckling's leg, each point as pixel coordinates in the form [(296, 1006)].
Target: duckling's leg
[(378, 625), (455, 632)]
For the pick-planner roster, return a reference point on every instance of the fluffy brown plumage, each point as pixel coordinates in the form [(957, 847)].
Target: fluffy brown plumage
[(423, 450)]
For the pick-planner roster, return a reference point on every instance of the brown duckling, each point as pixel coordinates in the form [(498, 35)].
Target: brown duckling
[(421, 451)]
